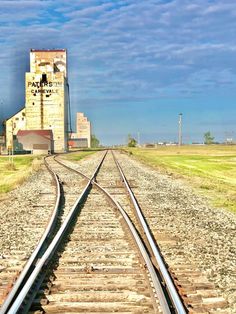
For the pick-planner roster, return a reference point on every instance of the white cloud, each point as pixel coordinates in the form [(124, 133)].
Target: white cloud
[(126, 46)]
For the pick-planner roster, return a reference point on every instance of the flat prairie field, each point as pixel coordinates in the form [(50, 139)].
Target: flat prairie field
[(14, 172), (78, 155), (209, 168)]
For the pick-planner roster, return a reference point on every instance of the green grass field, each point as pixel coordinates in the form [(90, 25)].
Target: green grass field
[(78, 155), (210, 169), (14, 174)]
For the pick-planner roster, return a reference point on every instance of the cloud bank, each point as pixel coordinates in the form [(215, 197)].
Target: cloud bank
[(125, 51)]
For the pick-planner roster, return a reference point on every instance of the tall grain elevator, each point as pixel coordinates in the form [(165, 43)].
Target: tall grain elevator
[(46, 95)]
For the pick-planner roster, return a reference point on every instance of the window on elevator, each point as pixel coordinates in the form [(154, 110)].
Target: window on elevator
[(44, 78)]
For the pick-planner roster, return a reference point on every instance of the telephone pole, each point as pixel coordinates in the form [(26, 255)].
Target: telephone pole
[(180, 129)]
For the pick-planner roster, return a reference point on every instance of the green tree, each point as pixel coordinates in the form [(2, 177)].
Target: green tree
[(94, 141), (131, 141), (208, 138)]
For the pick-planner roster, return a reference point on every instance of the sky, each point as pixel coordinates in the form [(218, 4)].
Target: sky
[(133, 65)]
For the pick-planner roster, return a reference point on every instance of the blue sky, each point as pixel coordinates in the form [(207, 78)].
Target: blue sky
[(134, 65)]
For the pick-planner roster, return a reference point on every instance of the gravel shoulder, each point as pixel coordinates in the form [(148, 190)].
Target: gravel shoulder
[(201, 234), (191, 231), (25, 213), (86, 165)]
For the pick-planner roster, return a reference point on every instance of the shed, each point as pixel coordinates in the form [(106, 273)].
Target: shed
[(36, 141)]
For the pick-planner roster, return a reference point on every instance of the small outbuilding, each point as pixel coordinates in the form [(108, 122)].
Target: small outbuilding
[(36, 141)]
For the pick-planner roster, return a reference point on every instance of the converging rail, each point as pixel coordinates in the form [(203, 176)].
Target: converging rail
[(36, 262), (30, 265), (172, 291), (156, 283), (30, 280), (177, 303)]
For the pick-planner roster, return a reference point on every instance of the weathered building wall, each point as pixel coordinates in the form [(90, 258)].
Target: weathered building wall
[(13, 125), (45, 61), (73, 135), (83, 127), (78, 143), (47, 95)]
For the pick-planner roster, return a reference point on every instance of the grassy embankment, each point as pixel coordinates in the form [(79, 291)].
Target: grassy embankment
[(13, 174), (76, 156), (210, 169)]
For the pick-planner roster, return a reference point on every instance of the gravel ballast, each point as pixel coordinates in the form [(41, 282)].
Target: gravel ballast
[(25, 212), (191, 231), (203, 235)]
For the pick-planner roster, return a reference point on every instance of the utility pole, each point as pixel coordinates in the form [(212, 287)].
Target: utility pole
[(11, 148), (180, 129)]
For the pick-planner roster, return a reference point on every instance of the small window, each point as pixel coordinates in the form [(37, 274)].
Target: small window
[(17, 119), (23, 114), (44, 78), (14, 125), (33, 103)]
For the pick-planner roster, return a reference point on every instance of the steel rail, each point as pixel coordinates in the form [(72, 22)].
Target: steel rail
[(37, 251), (50, 250), (156, 283), (177, 302)]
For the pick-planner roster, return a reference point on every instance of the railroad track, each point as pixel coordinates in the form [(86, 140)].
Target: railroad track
[(94, 259), (19, 235)]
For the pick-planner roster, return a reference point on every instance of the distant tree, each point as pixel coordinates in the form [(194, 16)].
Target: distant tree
[(131, 141), (208, 138), (94, 141)]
